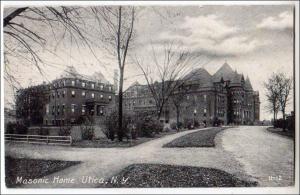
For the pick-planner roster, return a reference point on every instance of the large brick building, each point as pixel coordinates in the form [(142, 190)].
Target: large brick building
[(225, 95), (72, 98)]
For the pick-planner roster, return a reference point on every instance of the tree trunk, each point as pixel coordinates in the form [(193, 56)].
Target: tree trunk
[(274, 118), (120, 114), (283, 116), (177, 117)]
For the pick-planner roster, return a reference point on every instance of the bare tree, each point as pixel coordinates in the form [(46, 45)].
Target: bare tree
[(178, 99), (284, 84), (278, 89), (272, 94), (116, 26), (23, 37), (168, 72)]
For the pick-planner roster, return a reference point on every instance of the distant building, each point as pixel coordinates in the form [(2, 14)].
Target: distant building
[(226, 96), (137, 98), (73, 97)]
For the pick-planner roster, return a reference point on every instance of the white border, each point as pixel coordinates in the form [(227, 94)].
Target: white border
[(262, 190)]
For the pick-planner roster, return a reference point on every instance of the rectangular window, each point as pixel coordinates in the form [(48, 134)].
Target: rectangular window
[(93, 86), (83, 109), (101, 96), (83, 93), (73, 108), (109, 97), (101, 87), (99, 110), (47, 109), (64, 83), (73, 83), (63, 109), (204, 97), (93, 95), (58, 94), (83, 84), (73, 93), (57, 110), (109, 88), (64, 93), (204, 112)]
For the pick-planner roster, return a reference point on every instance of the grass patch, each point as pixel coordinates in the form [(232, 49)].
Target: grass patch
[(31, 168), (158, 175), (106, 143), (279, 131), (202, 138)]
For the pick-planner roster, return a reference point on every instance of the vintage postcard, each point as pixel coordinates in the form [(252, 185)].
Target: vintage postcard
[(149, 97)]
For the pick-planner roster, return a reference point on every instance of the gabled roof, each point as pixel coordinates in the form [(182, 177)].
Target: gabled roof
[(201, 77), (224, 72)]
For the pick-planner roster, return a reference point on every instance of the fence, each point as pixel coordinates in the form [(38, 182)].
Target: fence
[(39, 139)]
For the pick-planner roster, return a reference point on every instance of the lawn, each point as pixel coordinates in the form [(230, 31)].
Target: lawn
[(279, 131), (31, 168), (106, 143), (158, 175), (203, 138)]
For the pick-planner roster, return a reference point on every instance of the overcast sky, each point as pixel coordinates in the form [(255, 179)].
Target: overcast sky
[(254, 40)]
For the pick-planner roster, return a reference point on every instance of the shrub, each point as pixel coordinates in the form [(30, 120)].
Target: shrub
[(65, 131), (87, 132), (148, 126), (289, 123), (180, 125), (188, 123), (10, 128), (173, 125), (17, 128), (87, 129), (43, 131), (111, 125)]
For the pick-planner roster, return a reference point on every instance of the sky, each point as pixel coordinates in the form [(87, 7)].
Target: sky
[(255, 40)]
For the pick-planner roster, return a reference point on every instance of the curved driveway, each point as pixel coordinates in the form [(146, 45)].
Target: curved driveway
[(230, 155), (267, 156)]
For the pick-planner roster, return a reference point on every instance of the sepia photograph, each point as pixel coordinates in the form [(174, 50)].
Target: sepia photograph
[(149, 97)]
